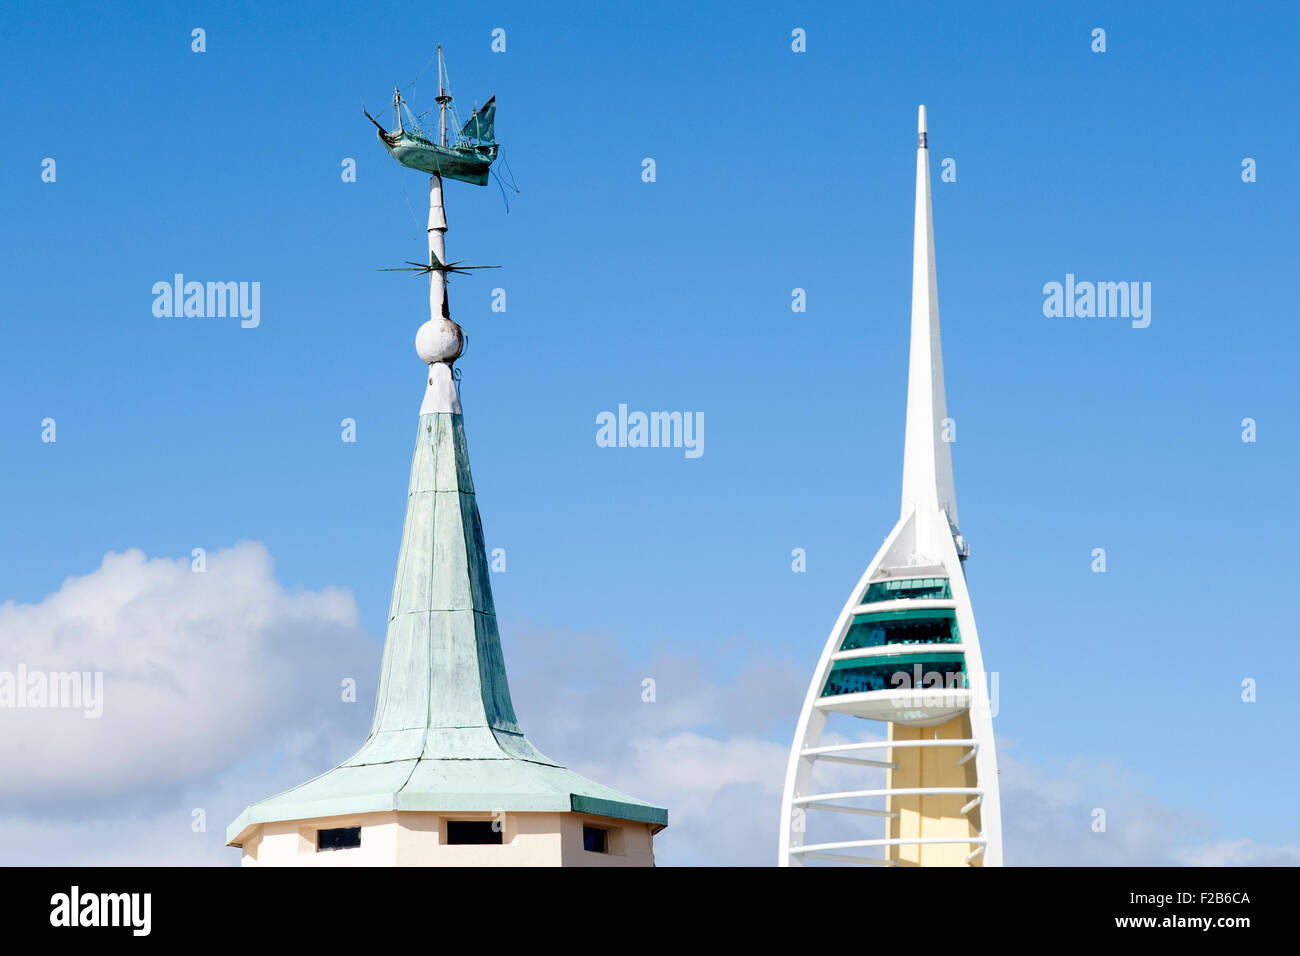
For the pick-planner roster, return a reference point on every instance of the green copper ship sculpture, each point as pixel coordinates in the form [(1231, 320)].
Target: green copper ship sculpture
[(469, 158)]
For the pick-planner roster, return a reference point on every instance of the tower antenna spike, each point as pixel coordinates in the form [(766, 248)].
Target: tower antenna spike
[(927, 454)]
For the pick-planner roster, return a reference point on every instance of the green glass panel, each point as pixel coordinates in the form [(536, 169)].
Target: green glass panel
[(902, 627), (896, 673), (902, 589)]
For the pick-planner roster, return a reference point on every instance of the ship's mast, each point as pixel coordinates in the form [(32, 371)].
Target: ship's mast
[(397, 108), (443, 100)]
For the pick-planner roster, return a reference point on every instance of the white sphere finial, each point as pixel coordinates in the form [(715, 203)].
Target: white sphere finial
[(439, 341)]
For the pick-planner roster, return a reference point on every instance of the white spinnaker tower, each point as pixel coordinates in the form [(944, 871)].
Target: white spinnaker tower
[(904, 652)]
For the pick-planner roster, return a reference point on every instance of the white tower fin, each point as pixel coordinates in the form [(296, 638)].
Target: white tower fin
[(927, 457)]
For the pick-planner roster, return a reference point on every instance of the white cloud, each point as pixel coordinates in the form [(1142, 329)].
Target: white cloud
[(724, 796), (1048, 819), (198, 670)]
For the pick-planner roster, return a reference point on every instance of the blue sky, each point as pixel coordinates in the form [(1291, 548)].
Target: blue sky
[(775, 170)]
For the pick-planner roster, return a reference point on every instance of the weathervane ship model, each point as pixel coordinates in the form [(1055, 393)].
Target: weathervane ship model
[(446, 775), (468, 159)]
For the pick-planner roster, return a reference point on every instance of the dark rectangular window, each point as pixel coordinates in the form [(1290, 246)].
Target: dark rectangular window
[(594, 839), (340, 838), (463, 832)]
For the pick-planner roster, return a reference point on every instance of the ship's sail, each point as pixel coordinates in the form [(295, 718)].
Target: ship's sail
[(480, 123)]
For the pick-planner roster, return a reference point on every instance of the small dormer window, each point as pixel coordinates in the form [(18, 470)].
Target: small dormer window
[(595, 840), (339, 838)]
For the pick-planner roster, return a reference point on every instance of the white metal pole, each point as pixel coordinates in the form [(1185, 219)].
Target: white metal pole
[(437, 247)]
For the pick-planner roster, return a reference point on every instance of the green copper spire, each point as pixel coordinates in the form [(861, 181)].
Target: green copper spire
[(444, 735), (443, 688)]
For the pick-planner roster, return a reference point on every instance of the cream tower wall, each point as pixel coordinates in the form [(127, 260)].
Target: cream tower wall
[(420, 839)]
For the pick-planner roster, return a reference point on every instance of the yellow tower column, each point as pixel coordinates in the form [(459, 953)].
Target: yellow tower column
[(932, 816)]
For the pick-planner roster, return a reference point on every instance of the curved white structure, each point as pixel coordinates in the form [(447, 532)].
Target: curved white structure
[(905, 652)]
